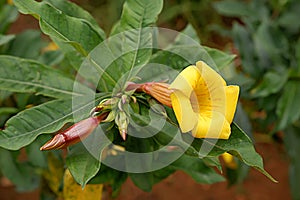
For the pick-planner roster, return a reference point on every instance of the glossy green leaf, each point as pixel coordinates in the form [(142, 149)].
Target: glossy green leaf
[(287, 105), (73, 10), (238, 145), (135, 22), (197, 169), (77, 32), (83, 159), (23, 128), (22, 75)]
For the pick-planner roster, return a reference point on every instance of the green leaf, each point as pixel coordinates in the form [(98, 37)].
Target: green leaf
[(244, 42), (127, 48), (233, 8), (8, 110), (143, 180), (184, 51), (297, 54), (164, 132), (103, 61), (72, 10), (77, 32), (21, 174), (49, 117), (269, 43), (197, 169), (39, 79), (219, 57), (137, 14), (286, 110), (238, 145), (292, 143), (8, 14), (288, 19), (107, 175), (38, 158), (52, 58), (135, 22), (5, 39), (83, 159), (271, 83), (29, 38)]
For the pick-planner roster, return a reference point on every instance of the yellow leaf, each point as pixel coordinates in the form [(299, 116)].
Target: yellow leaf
[(73, 191), (54, 174)]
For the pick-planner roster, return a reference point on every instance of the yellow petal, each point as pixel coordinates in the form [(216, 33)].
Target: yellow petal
[(186, 81), (212, 125), (232, 95), (183, 110), (209, 74), (210, 90)]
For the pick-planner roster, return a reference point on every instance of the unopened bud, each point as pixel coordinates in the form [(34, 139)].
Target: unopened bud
[(122, 123)]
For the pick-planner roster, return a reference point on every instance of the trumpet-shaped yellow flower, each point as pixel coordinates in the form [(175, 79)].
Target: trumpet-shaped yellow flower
[(203, 103)]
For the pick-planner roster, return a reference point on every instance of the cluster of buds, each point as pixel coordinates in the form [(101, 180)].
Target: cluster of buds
[(112, 109)]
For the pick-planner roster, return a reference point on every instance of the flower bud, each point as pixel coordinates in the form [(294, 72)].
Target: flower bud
[(158, 90), (122, 123), (74, 134)]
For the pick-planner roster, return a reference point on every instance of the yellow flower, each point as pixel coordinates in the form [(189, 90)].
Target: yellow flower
[(203, 103)]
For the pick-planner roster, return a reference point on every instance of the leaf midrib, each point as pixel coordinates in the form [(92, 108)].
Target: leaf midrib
[(42, 86)]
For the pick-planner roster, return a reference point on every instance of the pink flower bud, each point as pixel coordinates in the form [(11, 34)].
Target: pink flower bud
[(74, 134)]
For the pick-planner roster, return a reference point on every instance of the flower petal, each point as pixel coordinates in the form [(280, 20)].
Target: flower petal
[(210, 90), (183, 110), (209, 74), (186, 81), (212, 125), (232, 95)]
